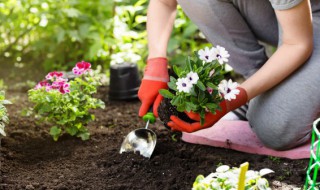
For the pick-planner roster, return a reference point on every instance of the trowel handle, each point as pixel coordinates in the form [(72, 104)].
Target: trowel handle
[(149, 116)]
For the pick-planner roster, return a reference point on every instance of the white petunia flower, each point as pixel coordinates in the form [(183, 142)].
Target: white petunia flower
[(222, 168), (220, 54), (206, 54), (183, 85), (228, 89), (192, 77)]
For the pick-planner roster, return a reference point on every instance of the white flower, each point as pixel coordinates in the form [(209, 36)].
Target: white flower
[(206, 54), (263, 184), (222, 168), (228, 89), (220, 54), (183, 85), (265, 171), (192, 77)]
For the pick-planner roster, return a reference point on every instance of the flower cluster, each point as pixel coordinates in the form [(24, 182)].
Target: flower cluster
[(3, 112), (56, 81), (226, 178), (200, 86), (65, 103)]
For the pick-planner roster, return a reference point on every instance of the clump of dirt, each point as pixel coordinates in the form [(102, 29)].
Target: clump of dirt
[(166, 109)]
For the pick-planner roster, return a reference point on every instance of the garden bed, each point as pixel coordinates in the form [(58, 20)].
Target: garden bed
[(30, 159)]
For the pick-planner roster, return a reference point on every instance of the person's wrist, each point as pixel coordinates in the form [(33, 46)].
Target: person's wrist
[(161, 60)]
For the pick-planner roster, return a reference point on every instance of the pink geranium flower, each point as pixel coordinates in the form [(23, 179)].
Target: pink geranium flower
[(64, 88), (54, 75), (43, 84), (81, 67)]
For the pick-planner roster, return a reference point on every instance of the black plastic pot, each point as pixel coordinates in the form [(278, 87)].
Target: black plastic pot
[(124, 81)]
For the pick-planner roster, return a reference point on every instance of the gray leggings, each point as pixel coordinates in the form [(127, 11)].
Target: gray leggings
[(282, 117)]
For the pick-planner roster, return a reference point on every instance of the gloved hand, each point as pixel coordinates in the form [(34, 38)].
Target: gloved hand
[(155, 78), (210, 118)]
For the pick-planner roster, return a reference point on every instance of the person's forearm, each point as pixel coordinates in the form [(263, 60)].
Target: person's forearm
[(160, 20), (281, 64), (296, 48)]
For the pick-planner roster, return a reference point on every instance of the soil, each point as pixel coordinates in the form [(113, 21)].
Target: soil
[(30, 159)]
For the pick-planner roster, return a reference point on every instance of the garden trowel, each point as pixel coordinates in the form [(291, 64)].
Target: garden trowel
[(142, 140)]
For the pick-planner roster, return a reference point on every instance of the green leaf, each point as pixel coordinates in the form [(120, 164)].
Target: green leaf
[(211, 85), (177, 70), (84, 135), (201, 96), (71, 12), (72, 130), (212, 106), (189, 66), (201, 85), (172, 85), (166, 93), (55, 132), (190, 106)]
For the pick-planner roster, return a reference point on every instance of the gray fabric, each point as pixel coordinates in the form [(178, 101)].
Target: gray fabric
[(284, 4), (283, 116)]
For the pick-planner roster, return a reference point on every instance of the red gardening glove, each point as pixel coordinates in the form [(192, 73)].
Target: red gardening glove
[(210, 118), (155, 78)]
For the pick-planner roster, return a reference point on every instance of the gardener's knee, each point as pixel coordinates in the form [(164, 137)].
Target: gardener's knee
[(279, 132)]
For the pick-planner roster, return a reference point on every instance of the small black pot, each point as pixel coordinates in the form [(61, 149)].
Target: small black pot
[(124, 82)]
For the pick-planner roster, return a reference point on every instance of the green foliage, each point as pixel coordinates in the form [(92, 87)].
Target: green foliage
[(69, 112), (54, 34), (4, 119)]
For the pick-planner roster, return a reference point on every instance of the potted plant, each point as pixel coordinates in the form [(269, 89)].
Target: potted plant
[(66, 104), (198, 87)]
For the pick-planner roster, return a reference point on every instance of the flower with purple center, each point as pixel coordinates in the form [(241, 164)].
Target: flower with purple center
[(206, 55), (220, 54), (183, 85), (228, 89), (192, 77), (81, 67)]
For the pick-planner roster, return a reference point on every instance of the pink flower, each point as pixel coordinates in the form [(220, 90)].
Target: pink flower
[(54, 75), (81, 67), (42, 84), (64, 88), (210, 90)]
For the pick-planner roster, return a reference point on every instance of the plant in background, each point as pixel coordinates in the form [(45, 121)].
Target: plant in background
[(200, 84), (3, 112), (66, 104), (226, 178)]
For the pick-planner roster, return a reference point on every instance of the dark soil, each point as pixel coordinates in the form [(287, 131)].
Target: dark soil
[(30, 159)]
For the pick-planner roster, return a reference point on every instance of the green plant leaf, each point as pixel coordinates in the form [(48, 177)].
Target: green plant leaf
[(84, 136), (172, 85), (72, 130), (166, 93), (201, 85), (55, 132)]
